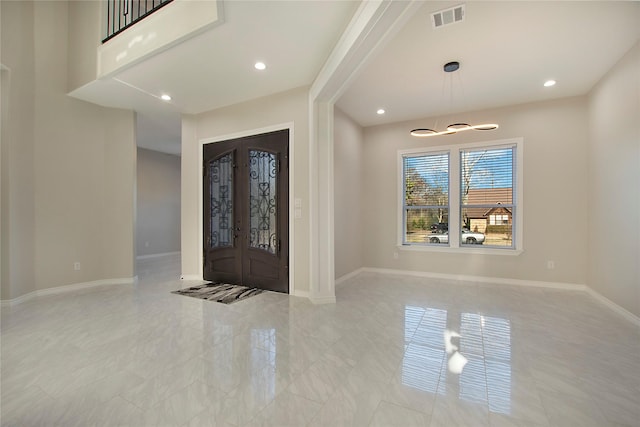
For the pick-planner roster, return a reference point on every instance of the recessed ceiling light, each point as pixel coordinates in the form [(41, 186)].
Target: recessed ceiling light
[(549, 83), (380, 111), (260, 65), (165, 97)]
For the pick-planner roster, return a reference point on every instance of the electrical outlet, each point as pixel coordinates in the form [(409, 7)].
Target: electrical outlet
[(551, 265), (395, 255), (76, 266)]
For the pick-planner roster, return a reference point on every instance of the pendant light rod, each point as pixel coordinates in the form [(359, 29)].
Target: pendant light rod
[(454, 128)]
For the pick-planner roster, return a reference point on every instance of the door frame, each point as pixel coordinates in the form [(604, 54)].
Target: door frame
[(242, 134)]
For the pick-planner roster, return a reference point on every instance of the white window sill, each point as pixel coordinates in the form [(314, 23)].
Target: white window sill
[(478, 249)]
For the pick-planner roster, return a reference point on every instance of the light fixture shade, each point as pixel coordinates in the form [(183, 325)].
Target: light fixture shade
[(458, 127), (488, 126), (453, 129), (423, 132)]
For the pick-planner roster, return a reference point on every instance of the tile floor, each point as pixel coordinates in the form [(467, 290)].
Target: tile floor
[(141, 356)]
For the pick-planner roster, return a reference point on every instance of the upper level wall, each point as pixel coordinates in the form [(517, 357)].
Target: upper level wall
[(90, 59)]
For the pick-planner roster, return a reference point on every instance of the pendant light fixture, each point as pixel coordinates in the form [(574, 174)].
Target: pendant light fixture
[(453, 128)]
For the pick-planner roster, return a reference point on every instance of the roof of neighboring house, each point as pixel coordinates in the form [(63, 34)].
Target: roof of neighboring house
[(486, 196), (498, 209)]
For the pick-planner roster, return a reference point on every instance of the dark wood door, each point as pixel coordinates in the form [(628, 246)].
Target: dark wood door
[(246, 211)]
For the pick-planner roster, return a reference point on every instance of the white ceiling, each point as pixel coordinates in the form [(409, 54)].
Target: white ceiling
[(216, 68), (506, 50)]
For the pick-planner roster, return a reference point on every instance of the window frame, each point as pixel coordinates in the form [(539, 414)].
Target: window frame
[(455, 208)]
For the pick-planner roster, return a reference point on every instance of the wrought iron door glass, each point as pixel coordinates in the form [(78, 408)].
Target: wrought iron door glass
[(221, 185), (262, 200)]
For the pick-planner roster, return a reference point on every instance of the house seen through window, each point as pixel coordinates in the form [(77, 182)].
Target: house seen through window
[(473, 188)]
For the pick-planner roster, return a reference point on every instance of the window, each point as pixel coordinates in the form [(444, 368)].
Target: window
[(471, 188), (486, 195), (426, 197)]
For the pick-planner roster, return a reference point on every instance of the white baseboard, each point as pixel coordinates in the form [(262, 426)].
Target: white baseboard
[(340, 280), (516, 282), (613, 306), (67, 288), (18, 300), (139, 257), (301, 294), (322, 300), (191, 277), (480, 279)]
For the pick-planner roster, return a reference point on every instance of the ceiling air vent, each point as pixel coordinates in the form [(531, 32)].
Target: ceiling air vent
[(448, 16)]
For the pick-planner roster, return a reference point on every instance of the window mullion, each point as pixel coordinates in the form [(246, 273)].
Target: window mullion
[(401, 202), (454, 199)]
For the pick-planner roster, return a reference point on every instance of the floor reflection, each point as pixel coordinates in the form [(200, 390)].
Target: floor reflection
[(496, 334), (223, 356), (424, 352), (263, 354), (246, 360), (485, 342)]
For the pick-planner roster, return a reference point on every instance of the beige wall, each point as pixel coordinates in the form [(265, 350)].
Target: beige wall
[(18, 212), (555, 194), (72, 172), (85, 24), (119, 183), (158, 203), (614, 184), (347, 153), (287, 107)]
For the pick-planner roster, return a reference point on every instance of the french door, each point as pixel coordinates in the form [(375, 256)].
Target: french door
[(246, 211)]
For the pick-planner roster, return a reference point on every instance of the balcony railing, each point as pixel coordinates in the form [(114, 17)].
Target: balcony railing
[(121, 14)]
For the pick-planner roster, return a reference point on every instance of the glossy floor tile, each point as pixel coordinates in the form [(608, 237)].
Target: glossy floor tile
[(141, 356)]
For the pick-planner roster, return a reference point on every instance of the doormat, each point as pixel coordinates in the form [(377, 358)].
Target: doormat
[(220, 292)]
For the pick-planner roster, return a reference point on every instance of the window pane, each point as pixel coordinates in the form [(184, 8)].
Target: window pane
[(262, 200), (221, 195), (486, 194), (427, 225), (426, 198), (487, 176), (426, 180), (491, 232)]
